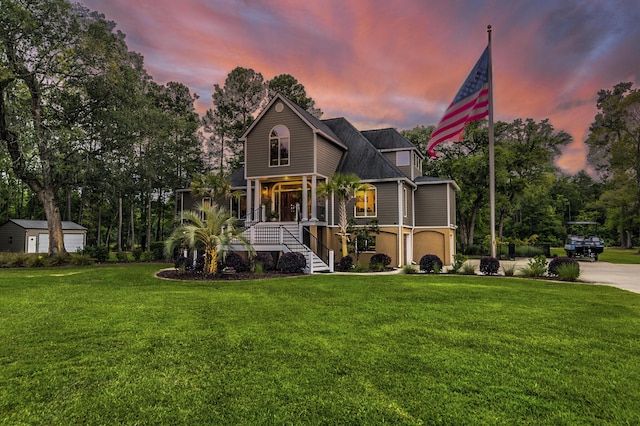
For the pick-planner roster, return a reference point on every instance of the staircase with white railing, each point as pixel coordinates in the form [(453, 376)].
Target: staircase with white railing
[(286, 237)]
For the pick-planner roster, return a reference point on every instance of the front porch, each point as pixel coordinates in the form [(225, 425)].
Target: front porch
[(290, 237)]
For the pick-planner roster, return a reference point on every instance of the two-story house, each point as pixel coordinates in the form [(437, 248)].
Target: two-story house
[(288, 153)]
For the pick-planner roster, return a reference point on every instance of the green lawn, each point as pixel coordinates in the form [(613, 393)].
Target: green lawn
[(113, 345)]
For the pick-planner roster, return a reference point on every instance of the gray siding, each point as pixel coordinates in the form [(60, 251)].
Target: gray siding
[(12, 238), (387, 203), (329, 156), (301, 148), (431, 205)]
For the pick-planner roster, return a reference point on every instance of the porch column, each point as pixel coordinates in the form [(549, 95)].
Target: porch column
[(249, 206), (305, 202), (314, 198), (257, 195)]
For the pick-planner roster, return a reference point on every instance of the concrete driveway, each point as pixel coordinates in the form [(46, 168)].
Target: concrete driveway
[(626, 277)]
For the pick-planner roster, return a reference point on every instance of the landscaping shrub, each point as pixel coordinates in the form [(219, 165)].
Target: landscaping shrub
[(35, 261), (458, 261), (556, 262), (235, 261), (489, 265), (122, 256), (291, 263), (509, 270), (409, 270), (147, 256), (58, 259), (379, 259), (266, 259), (568, 271), (137, 253), (157, 248), (430, 263), (99, 253), (345, 264), (536, 267), (468, 269), (80, 259)]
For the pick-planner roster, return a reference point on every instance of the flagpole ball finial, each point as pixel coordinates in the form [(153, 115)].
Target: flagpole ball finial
[(488, 27)]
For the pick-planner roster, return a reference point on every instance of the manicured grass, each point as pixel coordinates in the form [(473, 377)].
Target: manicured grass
[(113, 345), (618, 255)]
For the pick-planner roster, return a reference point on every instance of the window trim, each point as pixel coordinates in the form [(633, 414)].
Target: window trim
[(278, 139)]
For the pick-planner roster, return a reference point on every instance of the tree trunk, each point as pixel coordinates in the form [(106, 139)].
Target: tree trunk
[(99, 236), (54, 221), (119, 223), (149, 225), (133, 226)]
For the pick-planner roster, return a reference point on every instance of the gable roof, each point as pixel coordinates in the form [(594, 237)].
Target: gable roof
[(362, 158), (316, 125), (42, 224)]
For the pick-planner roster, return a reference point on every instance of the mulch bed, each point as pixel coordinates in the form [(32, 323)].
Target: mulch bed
[(174, 274)]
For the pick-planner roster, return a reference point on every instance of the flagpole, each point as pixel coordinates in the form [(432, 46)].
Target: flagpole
[(492, 171)]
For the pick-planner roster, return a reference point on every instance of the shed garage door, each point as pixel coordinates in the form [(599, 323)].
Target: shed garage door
[(72, 242)]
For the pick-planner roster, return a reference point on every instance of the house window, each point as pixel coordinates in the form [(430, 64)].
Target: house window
[(403, 158), (365, 244), (279, 141), (366, 202)]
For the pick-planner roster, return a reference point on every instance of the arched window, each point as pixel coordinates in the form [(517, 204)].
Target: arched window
[(279, 146), (366, 204)]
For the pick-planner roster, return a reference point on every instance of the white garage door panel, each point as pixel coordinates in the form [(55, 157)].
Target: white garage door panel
[(73, 242), (43, 243)]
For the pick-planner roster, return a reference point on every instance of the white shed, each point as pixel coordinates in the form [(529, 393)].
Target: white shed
[(32, 236)]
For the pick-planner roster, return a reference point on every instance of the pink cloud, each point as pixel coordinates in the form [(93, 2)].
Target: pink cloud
[(382, 63)]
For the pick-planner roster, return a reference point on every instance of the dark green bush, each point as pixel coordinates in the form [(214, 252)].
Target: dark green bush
[(122, 256), (291, 263), (489, 265), (147, 256), (380, 259), (157, 248), (556, 262), (235, 261), (266, 259), (430, 263), (99, 253), (58, 259), (136, 253), (345, 264)]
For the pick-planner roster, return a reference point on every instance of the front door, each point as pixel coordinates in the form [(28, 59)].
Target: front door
[(289, 200)]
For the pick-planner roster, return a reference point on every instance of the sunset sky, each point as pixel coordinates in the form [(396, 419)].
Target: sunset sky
[(383, 63)]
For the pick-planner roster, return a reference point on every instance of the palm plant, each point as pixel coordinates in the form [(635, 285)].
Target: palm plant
[(215, 186), (210, 228), (344, 187)]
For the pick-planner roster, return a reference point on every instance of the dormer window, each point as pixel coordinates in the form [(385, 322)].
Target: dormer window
[(403, 158), (279, 141)]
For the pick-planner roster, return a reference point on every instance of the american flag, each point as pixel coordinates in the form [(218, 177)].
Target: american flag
[(470, 104)]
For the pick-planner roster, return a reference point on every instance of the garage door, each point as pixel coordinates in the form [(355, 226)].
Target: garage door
[(43, 243), (73, 242)]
